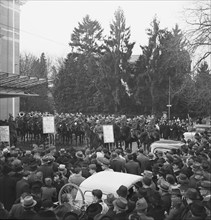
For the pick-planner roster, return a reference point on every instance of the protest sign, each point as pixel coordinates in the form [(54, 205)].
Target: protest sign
[(108, 134), (48, 125)]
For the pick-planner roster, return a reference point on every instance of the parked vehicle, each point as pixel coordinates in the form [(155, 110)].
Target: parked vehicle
[(165, 145), (106, 181), (198, 128)]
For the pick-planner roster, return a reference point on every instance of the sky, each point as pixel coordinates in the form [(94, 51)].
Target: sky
[(46, 26)]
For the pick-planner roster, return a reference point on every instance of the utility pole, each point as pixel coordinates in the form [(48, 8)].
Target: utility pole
[(169, 102)]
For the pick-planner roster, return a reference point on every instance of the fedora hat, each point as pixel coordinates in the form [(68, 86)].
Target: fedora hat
[(79, 155), (109, 199), (121, 204), (122, 191), (182, 178), (164, 186), (141, 204), (206, 184), (28, 202), (103, 161), (61, 167), (148, 174)]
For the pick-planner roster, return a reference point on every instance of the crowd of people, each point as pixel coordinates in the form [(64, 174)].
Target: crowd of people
[(175, 185)]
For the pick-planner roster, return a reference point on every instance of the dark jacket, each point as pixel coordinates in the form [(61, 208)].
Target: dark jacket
[(133, 167), (166, 202), (117, 165), (121, 216), (7, 191), (144, 162), (22, 186), (16, 211)]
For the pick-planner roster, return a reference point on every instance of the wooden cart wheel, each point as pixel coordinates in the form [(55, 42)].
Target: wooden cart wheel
[(68, 194)]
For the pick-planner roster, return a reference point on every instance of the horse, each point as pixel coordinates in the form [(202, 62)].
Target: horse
[(79, 132), (93, 140)]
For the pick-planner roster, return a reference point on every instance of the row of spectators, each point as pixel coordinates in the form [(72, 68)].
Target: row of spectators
[(174, 185)]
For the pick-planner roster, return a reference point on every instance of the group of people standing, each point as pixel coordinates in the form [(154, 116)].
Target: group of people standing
[(175, 185)]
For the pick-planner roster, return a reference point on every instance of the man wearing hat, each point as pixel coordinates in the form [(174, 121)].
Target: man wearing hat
[(183, 183), (17, 209), (120, 209), (165, 196), (191, 196), (105, 163), (23, 185), (109, 202), (141, 210), (28, 205), (122, 192), (47, 166)]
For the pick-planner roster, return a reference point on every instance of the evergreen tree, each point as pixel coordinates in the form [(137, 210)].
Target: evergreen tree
[(114, 64), (162, 59)]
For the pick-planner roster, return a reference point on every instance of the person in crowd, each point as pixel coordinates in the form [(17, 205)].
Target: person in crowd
[(97, 198), (109, 202), (105, 163), (7, 188), (76, 178), (177, 205), (92, 211), (143, 160), (116, 163), (92, 169), (131, 166), (47, 166), (23, 184), (140, 211), (172, 182), (46, 212), (120, 209), (49, 191), (28, 206), (165, 196), (17, 209)]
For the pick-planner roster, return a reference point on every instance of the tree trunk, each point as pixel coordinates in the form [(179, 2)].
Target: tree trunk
[(152, 98)]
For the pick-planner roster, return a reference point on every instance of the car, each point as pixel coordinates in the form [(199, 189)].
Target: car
[(189, 135), (106, 181), (198, 128), (165, 145)]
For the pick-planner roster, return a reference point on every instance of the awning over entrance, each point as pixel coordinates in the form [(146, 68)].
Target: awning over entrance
[(13, 85)]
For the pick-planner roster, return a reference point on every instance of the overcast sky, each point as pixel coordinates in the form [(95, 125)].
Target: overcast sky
[(46, 26)]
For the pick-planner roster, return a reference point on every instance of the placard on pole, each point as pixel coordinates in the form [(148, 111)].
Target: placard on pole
[(5, 134), (48, 126), (108, 134)]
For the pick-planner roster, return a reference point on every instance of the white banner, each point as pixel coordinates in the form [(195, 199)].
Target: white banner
[(48, 125), (108, 134), (4, 134)]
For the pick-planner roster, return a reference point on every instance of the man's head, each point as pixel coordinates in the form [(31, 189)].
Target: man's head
[(97, 195), (92, 168)]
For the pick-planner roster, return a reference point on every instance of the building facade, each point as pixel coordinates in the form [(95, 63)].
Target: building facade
[(9, 50)]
